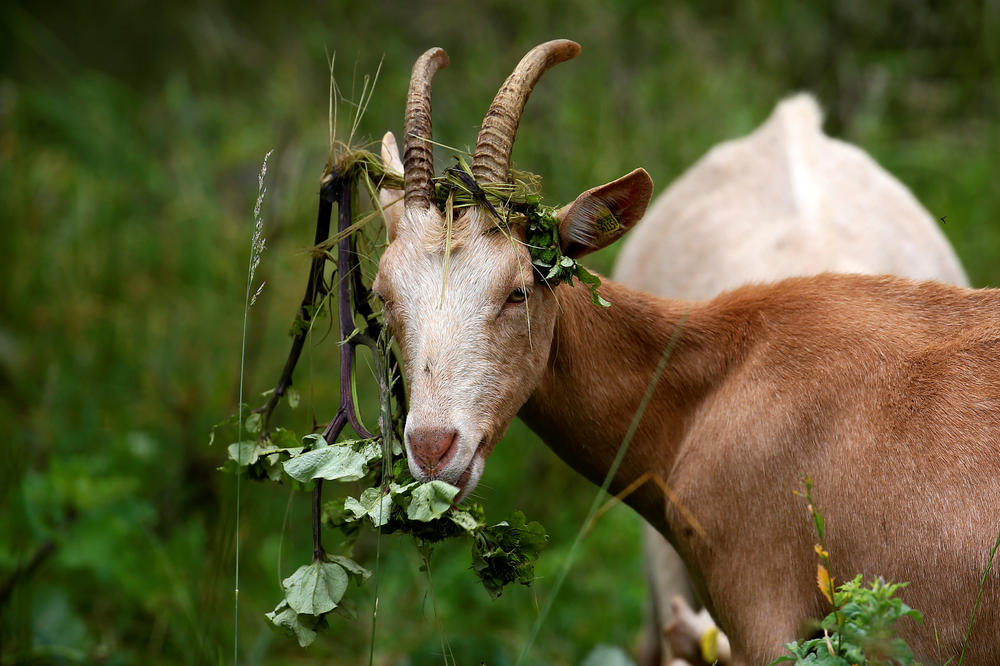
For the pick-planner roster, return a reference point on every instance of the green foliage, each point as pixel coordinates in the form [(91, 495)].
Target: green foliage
[(547, 257), (518, 203), (315, 588), (501, 553), (343, 461), (506, 552), (861, 630)]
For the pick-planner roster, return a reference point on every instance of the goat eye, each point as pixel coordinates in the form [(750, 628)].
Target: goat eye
[(517, 296)]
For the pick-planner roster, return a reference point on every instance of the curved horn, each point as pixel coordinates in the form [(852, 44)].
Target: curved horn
[(496, 138), (418, 152)]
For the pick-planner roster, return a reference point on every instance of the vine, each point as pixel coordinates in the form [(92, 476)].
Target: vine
[(391, 500)]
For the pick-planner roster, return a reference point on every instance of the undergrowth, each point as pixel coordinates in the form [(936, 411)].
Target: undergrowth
[(861, 629)]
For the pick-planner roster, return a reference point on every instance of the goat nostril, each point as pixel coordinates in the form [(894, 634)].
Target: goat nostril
[(433, 447)]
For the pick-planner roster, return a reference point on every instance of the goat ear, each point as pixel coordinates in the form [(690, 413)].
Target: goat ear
[(602, 215), (391, 200)]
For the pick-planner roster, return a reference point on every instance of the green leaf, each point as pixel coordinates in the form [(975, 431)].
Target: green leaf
[(282, 438), (506, 552), (351, 566), (373, 504), (356, 332), (244, 453), (272, 466), (314, 441), (465, 520), (397, 489), (230, 420), (253, 423), (430, 500), (333, 463), (293, 397), (315, 588), (593, 282)]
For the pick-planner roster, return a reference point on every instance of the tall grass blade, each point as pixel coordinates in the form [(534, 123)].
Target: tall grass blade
[(596, 504), (257, 244), (979, 596)]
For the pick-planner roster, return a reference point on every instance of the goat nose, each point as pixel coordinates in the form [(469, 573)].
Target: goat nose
[(433, 447)]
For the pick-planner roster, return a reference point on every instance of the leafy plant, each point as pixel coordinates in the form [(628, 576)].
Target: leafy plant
[(861, 630)]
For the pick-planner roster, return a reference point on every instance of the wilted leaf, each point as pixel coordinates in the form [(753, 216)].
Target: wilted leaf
[(315, 588), (351, 566), (293, 623), (430, 500), (824, 581)]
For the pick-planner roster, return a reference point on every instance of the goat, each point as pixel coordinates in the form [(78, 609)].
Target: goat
[(786, 200), (886, 391)]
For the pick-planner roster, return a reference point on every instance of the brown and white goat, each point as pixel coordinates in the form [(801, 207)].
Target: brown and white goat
[(884, 390), (785, 201)]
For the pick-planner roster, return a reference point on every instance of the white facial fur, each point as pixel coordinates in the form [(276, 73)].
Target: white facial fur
[(471, 356), (475, 345)]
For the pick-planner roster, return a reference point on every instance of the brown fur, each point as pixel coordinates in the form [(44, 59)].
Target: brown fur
[(885, 391)]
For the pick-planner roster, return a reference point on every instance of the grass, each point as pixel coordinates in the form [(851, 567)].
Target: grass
[(257, 245), (979, 596)]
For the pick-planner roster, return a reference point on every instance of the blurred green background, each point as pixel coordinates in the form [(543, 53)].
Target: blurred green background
[(130, 140)]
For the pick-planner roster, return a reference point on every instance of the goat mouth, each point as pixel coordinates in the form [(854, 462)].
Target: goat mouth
[(466, 476), (464, 479)]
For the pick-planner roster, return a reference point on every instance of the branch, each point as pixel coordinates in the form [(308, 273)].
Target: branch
[(352, 298), (26, 570), (347, 263), (314, 288)]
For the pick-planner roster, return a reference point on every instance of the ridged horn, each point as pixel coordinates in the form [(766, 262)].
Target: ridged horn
[(418, 152), (491, 160)]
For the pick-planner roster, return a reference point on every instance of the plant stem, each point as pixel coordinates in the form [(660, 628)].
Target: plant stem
[(26, 570), (596, 504), (347, 264), (314, 289), (318, 552)]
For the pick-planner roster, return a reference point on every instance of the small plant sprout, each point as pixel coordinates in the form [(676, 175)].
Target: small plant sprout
[(861, 629)]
